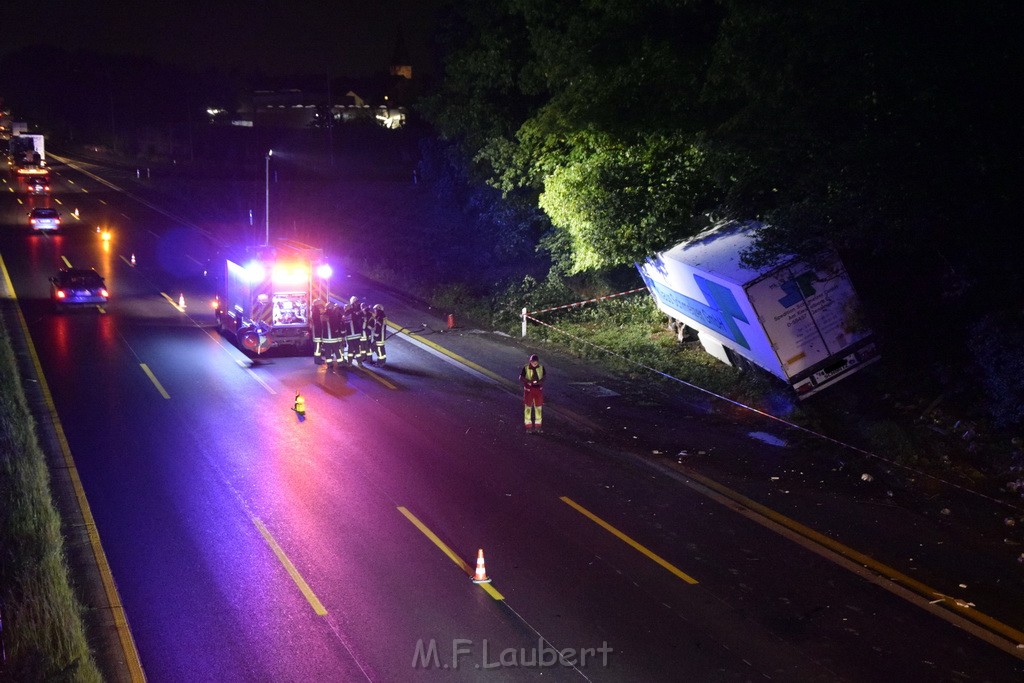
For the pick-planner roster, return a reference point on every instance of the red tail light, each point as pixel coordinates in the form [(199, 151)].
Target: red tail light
[(32, 221), (61, 294), (57, 221), (103, 293)]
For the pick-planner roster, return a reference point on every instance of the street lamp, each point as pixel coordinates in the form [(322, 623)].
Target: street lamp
[(266, 159)]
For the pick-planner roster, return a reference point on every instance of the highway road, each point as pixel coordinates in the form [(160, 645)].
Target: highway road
[(247, 544)]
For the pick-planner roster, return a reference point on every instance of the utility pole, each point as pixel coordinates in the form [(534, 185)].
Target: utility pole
[(266, 159)]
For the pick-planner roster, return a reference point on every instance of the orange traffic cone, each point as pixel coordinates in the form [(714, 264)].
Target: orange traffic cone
[(481, 572), (451, 321)]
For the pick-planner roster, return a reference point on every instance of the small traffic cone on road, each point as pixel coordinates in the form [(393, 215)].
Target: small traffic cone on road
[(481, 573), (133, 259), (451, 321), (300, 405)]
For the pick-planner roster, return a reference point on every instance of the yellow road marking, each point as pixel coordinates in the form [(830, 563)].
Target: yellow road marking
[(58, 201), (491, 590), (628, 541), (292, 571), (169, 299), (85, 190), (71, 181), (102, 201), (149, 373), (454, 356), (19, 200), (377, 377), (65, 259), (131, 653), (860, 558)]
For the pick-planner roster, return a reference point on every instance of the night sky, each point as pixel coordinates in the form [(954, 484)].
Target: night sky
[(278, 37)]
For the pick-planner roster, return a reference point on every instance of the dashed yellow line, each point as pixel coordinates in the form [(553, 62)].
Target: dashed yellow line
[(156, 382), (65, 260), (491, 590), (628, 541), (314, 601)]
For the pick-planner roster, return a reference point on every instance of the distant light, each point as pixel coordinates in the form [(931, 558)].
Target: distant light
[(213, 111), (289, 274), (256, 272), (324, 271), (270, 153)]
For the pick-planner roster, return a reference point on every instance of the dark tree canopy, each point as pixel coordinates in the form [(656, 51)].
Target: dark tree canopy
[(865, 123), (888, 130)]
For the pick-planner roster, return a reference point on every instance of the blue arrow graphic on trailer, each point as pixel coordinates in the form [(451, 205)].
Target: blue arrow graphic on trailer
[(722, 298), (720, 313)]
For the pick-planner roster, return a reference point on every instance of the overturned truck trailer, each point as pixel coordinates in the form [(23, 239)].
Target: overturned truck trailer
[(799, 320)]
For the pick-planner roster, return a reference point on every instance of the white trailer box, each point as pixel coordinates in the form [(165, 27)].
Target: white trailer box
[(798, 320)]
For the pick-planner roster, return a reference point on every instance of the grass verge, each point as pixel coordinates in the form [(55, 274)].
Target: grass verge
[(42, 634)]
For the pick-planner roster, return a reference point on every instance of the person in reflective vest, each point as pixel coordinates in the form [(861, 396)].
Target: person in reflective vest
[(532, 379), (378, 331), (315, 322)]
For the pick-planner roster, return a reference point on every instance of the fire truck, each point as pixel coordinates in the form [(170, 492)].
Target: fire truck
[(268, 296)]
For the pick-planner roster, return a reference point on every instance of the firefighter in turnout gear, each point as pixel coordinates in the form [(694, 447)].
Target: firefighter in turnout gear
[(332, 335), (353, 330), (316, 322), (378, 331), (532, 379), (364, 339)]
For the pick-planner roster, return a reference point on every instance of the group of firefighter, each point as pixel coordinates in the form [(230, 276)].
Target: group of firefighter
[(349, 334)]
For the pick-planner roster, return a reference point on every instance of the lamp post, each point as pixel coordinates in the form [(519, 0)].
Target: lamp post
[(266, 160)]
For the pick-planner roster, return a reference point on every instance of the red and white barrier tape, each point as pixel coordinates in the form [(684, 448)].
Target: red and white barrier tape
[(588, 301)]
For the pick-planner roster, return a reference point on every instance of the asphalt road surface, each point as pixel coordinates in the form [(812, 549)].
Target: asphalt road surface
[(249, 544)]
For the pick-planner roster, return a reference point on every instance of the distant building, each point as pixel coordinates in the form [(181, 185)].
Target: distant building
[(401, 65)]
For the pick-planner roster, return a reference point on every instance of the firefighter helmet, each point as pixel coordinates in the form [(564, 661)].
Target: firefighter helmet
[(378, 307), (353, 299)]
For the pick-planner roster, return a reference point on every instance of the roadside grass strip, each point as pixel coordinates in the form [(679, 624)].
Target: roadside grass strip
[(42, 633)]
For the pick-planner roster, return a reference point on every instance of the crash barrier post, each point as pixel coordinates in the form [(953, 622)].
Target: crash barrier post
[(529, 314)]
